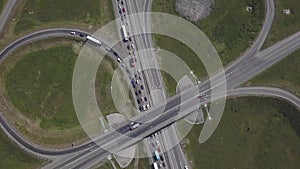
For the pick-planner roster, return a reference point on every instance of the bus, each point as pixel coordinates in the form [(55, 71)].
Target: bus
[(124, 33), (93, 40)]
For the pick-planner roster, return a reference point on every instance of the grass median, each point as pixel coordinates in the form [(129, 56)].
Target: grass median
[(253, 133)]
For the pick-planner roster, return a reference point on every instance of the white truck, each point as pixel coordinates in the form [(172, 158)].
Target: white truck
[(93, 40), (124, 33), (155, 166)]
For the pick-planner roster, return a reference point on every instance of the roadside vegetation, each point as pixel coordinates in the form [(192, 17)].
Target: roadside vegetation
[(253, 133), (285, 74), (230, 28), (12, 156), (2, 4), (37, 13), (284, 25), (142, 163)]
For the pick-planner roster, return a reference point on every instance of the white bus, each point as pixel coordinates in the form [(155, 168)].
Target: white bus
[(124, 33), (93, 40)]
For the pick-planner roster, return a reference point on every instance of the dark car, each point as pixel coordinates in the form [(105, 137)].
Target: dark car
[(145, 98), (138, 101), (142, 87), (123, 10), (140, 92)]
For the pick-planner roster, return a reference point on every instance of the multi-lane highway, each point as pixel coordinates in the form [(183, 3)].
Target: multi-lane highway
[(116, 140)]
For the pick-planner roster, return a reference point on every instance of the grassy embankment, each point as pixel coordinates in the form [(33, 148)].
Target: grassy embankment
[(253, 133), (284, 25), (230, 28), (12, 156), (68, 12)]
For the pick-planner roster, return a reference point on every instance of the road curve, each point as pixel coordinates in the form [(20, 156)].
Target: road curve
[(266, 91), (30, 147), (6, 12)]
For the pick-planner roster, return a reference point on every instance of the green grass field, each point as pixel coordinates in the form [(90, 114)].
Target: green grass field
[(37, 13), (12, 156), (40, 84), (253, 133), (46, 92), (230, 28), (284, 25), (285, 74)]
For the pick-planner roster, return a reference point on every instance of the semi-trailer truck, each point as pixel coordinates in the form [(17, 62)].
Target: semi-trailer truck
[(93, 39)]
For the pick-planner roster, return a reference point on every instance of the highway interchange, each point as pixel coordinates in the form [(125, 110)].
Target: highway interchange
[(254, 61)]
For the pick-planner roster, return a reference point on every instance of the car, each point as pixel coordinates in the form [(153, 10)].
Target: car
[(130, 52), (119, 6), (127, 23), (123, 10), (161, 158), (138, 101), (119, 60), (144, 107), (72, 33), (132, 46), (122, 2), (164, 165), (140, 92), (136, 93), (145, 98), (128, 47), (137, 82), (81, 35), (186, 167), (130, 39), (120, 12), (142, 87), (148, 106), (158, 149)]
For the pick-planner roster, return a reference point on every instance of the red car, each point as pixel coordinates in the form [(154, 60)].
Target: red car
[(123, 10)]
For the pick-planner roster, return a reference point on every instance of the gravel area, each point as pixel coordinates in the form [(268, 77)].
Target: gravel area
[(194, 10)]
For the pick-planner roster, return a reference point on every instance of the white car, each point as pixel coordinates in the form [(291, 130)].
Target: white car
[(72, 33), (119, 5), (132, 46)]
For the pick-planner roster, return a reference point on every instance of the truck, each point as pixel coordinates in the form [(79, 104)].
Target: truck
[(124, 33), (157, 156), (155, 166), (96, 41), (134, 125)]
